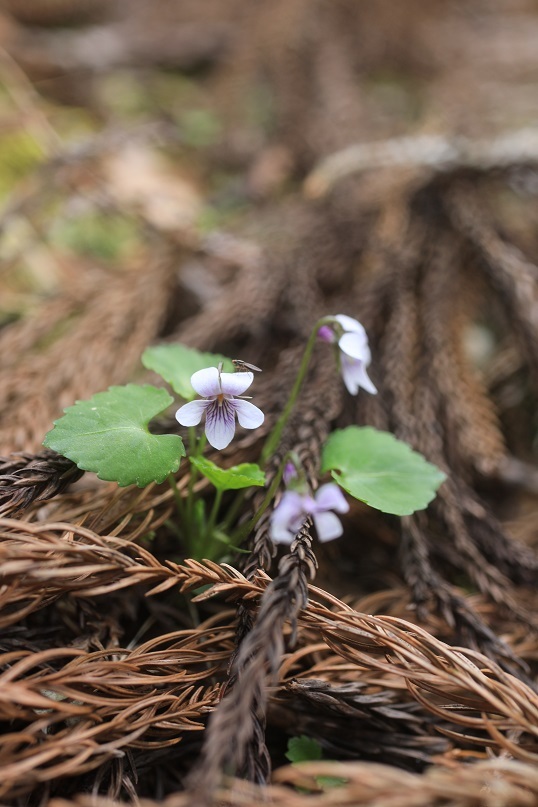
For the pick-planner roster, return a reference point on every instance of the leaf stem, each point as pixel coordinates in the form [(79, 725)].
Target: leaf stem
[(245, 529), (212, 520), (274, 437), (180, 506), (196, 446), (233, 510)]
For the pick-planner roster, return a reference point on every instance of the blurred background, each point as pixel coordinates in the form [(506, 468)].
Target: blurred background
[(132, 134)]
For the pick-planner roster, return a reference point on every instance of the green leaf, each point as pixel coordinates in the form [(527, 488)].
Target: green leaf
[(303, 749), (177, 363), (306, 749), (239, 476), (109, 435), (380, 470), (330, 781)]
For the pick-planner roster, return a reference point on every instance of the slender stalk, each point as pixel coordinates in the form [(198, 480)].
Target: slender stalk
[(245, 530), (196, 446), (233, 510), (274, 437), (180, 507), (192, 609), (180, 504), (212, 520)]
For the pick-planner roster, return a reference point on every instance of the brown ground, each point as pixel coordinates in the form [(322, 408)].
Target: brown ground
[(223, 174)]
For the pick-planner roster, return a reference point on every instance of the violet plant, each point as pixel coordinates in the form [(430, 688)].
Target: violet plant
[(109, 434)]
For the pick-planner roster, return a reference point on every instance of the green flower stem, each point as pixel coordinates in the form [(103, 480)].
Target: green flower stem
[(194, 441), (274, 437), (233, 510), (212, 520), (240, 535), (180, 504), (196, 446), (192, 610)]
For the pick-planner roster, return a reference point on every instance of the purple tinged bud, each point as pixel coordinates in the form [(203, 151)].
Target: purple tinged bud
[(290, 472), (326, 334)]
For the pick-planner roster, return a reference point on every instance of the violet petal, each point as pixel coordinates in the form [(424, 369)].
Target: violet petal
[(236, 383), (190, 414), (287, 517), (355, 376), (206, 382), (248, 415), (328, 526), (356, 346), (350, 324), (330, 497), (220, 423)]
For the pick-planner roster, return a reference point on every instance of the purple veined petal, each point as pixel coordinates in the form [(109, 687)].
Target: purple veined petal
[(191, 413), (206, 382), (350, 324), (355, 376), (236, 383), (220, 423), (326, 334), (248, 415), (330, 497), (355, 346), (328, 526)]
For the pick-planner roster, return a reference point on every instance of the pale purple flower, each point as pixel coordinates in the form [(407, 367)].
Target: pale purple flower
[(294, 507), (220, 405), (354, 354)]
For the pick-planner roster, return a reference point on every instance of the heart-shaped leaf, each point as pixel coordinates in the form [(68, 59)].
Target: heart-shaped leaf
[(177, 363), (239, 476), (380, 470), (108, 434)]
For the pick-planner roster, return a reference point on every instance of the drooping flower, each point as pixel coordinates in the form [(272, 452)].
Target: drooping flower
[(295, 506), (220, 404), (354, 354)]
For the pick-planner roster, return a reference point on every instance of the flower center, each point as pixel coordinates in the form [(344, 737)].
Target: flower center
[(220, 398)]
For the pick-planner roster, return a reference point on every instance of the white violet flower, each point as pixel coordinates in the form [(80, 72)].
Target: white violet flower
[(290, 513), (220, 404), (354, 355)]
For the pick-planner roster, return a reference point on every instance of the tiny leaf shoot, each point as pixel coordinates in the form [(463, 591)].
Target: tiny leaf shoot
[(306, 749)]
